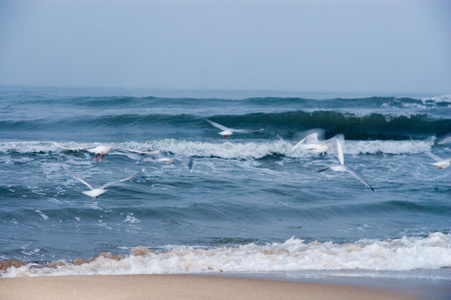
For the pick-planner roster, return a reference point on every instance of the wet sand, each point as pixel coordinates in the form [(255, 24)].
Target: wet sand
[(170, 287)]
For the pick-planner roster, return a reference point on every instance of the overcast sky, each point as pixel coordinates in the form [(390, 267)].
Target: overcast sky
[(305, 45)]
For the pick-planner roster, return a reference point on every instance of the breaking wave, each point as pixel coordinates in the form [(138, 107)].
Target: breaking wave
[(429, 253)]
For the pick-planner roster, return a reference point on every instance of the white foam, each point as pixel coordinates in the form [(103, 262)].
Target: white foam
[(26, 147), (232, 150), (430, 253), (131, 219), (255, 150), (44, 216), (443, 98)]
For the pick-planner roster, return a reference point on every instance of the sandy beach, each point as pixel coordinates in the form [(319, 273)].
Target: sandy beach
[(179, 287)]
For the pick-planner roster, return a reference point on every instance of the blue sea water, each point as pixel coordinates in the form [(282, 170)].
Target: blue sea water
[(249, 204)]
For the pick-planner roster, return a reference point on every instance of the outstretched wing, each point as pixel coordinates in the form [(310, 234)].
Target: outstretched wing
[(335, 144), (245, 130), (219, 126), (186, 160), (433, 156), (359, 177), (429, 153), (77, 177), (124, 179)]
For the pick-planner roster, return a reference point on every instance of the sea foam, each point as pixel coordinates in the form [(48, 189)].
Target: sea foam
[(228, 149), (405, 254)]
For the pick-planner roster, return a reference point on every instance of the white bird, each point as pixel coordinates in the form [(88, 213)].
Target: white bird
[(440, 162), (97, 150), (95, 192), (335, 144), (312, 143), (229, 131)]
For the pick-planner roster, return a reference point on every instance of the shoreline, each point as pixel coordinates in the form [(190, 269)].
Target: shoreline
[(169, 287)]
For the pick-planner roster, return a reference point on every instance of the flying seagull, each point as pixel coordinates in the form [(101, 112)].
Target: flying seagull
[(95, 192), (335, 143), (440, 162), (97, 150), (312, 143), (229, 131)]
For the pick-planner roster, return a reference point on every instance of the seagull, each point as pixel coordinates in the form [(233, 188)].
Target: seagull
[(335, 144), (229, 131), (95, 192), (440, 162), (97, 150), (312, 143)]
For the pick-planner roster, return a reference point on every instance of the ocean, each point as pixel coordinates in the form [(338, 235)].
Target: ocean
[(247, 203)]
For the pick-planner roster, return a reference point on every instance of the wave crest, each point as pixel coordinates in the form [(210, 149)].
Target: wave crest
[(227, 150), (432, 252)]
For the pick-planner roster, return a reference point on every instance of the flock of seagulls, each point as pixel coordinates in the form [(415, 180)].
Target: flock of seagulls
[(312, 142)]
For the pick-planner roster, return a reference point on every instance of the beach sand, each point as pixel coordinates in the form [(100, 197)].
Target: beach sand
[(169, 287)]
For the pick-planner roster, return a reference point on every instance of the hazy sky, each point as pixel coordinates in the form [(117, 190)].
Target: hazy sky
[(348, 46)]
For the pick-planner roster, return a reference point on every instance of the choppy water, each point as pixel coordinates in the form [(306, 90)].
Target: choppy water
[(249, 204)]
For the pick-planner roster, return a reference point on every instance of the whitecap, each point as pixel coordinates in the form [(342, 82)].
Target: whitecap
[(404, 254)]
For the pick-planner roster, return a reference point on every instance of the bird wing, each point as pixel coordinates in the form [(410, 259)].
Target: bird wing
[(336, 146), (219, 126), (433, 156), (186, 160), (359, 177), (429, 153), (245, 130), (124, 179), (77, 177)]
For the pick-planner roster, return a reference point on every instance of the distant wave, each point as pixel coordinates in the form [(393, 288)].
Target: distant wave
[(285, 124), (292, 255), (354, 127), (365, 101)]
